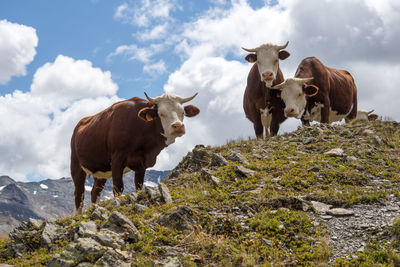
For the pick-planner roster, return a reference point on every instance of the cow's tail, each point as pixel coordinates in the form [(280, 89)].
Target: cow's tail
[(78, 177)]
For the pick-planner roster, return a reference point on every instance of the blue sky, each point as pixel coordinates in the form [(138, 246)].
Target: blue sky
[(64, 60), (88, 29)]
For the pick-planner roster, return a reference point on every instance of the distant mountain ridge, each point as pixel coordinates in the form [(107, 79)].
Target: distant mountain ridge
[(49, 198)]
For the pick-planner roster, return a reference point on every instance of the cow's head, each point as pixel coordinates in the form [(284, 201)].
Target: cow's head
[(169, 109), (267, 58), (293, 94)]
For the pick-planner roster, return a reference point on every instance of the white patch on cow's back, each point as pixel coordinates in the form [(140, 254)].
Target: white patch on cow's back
[(315, 114), (266, 118), (102, 175)]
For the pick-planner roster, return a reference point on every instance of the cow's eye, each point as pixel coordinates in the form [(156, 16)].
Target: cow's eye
[(276, 61), (299, 95), (162, 115)]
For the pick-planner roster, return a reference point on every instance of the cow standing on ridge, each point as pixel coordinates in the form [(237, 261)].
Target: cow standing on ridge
[(261, 105), (126, 136), (319, 93)]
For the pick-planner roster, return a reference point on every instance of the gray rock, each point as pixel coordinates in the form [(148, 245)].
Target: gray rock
[(140, 207), (181, 219), (218, 160), (172, 262), (236, 156), (132, 197), (114, 203), (377, 139), (242, 171), (57, 261), (113, 258), (152, 192), (320, 207), (336, 152), (208, 176), (51, 233), (36, 223), (165, 194), (215, 180), (351, 159), (340, 212), (367, 132), (87, 249), (108, 238), (99, 213), (309, 141), (119, 223), (87, 228)]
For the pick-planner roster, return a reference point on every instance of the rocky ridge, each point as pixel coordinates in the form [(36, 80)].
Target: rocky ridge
[(321, 195)]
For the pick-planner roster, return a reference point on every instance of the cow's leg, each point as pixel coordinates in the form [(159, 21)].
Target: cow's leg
[(275, 121), (325, 111), (139, 178), (258, 127), (353, 112), (79, 177), (117, 168), (98, 187)]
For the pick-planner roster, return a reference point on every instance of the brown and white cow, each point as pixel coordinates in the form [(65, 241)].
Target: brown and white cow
[(319, 93), (125, 136), (261, 105)]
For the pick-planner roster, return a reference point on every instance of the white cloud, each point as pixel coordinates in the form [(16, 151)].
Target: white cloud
[(67, 80), (37, 125), (155, 33), (133, 52), (356, 35), (17, 49), (143, 13), (156, 68)]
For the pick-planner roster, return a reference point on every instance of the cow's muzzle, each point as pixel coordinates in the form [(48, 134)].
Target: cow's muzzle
[(178, 128)]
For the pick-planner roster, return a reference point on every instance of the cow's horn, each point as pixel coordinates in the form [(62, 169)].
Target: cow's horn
[(151, 100), (250, 49), (369, 112), (279, 47), (279, 86), (184, 100), (305, 80)]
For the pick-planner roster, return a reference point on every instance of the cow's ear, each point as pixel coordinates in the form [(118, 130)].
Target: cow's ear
[(275, 93), (310, 89), (147, 114), (251, 58), (191, 110), (283, 54)]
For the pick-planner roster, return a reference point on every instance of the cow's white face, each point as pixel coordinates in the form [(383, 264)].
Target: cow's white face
[(267, 59), (171, 113), (293, 94)]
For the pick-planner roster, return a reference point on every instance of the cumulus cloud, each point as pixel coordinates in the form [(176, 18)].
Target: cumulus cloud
[(66, 80), (356, 35), (156, 68), (143, 13), (37, 125), (17, 49), (133, 52)]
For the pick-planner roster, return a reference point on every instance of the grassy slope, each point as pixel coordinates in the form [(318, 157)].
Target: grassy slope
[(259, 220)]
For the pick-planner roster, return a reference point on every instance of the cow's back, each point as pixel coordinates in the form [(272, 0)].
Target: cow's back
[(96, 137), (338, 85)]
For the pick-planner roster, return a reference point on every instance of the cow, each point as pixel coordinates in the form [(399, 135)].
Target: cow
[(125, 136), (262, 106), (319, 93), (366, 115)]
